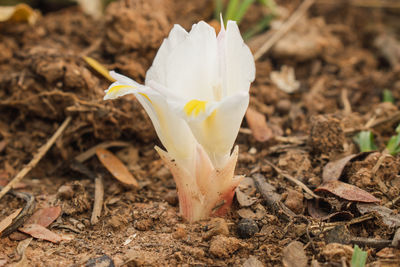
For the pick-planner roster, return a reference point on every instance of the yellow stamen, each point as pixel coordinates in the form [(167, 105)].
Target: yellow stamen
[(146, 96), (195, 107), (116, 88)]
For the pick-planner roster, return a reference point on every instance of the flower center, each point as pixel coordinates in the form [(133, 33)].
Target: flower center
[(195, 107)]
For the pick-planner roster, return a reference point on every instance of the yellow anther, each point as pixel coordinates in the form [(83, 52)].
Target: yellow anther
[(116, 88), (146, 96), (195, 107)]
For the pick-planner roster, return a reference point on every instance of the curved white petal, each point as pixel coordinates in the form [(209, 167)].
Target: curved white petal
[(237, 66), (190, 69), (158, 70), (172, 130), (217, 128)]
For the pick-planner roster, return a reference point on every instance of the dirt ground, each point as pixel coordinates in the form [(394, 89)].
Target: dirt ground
[(344, 55)]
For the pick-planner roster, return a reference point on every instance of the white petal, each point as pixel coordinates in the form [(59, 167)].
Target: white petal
[(218, 131), (237, 61), (190, 68), (158, 70), (172, 130)]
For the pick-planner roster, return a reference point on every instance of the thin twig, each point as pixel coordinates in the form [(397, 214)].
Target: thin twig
[(292, 179), (92, 151), (371, 242), (345, 101), (377, 179), (272, 198), (41, 152), (98, 199), (301, 10), (23, 215)]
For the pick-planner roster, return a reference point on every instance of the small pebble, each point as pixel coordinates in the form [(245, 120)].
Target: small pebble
[(218, 226), (103, 261), (143, 224), (180, 232), (222, 246), (246, 228), (171, 197), (65, 192), (294, 201), (283, 106)]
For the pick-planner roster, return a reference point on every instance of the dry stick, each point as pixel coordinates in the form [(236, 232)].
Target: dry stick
[(301, 10), (98, 199), (345, 101), (41, 152), (292, 179), (92, 151), (371, 242)]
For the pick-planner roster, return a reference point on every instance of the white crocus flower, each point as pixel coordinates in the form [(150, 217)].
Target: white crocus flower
[(196, 94)]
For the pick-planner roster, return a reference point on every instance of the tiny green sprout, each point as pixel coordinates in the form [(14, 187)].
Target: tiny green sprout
[(393, 146), (365, 140), (236, 9), (387, 96), (359, 257)]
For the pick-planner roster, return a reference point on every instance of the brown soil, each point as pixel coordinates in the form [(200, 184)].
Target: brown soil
[(342, 68)]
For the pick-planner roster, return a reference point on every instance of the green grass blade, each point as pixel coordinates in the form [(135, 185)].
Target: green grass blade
[(231, 10), (218, 8), (242, 9), (393, 145), (261, 25), (365, 140), (359, 257), (387, 96)]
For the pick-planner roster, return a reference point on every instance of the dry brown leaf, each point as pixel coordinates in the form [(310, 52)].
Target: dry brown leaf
[(45, 216), (258, 125), (4, 182), (389, 217), (244, 191), (294, 255), (333, 170), (347, 191), (116, 167), (40, 232), (22, 246), (18, 13), (8, 220)]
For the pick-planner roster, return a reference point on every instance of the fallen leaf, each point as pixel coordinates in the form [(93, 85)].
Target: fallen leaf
[(333, 170), (347, 191), (335, 252), (91, 7), (396, 239), (285, 79), (388, 253), (258, 125), (116, 167), (243, 191), (8, 220), (3, 144), (389, 217), (252, 262), (21, 252), (45, 216), (294, 255), (99, 68), (389, 47), (5, 181), (18, 13), (40, 232)]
